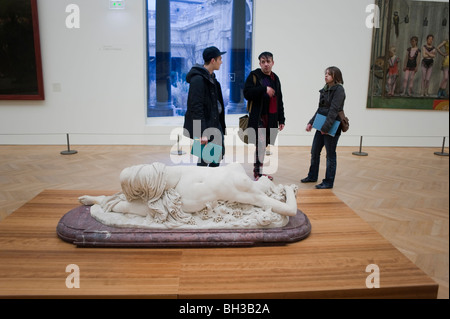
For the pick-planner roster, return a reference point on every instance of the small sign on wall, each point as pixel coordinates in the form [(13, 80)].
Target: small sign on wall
[(117, 4)]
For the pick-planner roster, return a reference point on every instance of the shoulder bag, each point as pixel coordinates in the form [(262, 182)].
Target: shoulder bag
[(344, 121), (243, 120)]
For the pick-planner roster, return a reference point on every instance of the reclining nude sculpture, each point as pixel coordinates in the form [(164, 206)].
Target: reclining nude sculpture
[(160, 196)]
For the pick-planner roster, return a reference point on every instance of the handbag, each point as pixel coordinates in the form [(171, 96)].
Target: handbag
[(243, 120), (344, 121), (243, 125)]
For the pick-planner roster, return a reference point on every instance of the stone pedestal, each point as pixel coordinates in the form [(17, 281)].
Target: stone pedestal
[(80, 228)]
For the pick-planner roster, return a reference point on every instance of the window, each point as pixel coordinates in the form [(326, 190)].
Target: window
[(178, 31)]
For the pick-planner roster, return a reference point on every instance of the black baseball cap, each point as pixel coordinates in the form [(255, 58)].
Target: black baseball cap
[(211, 53)]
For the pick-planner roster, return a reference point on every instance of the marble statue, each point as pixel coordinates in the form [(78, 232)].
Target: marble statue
[(160, 196)]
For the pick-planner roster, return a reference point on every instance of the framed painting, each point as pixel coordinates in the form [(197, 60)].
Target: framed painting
[(410, 55), (20, 54)]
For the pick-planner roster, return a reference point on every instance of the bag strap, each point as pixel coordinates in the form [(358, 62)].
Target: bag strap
[(341, 115), (250, 103)]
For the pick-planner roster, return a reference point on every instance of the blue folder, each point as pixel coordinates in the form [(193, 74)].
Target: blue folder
[(318, 123), (210, 153)]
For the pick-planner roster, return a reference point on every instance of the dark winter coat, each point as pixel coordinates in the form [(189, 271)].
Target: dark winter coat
[(204, 93), (331, 101), (256, 93)]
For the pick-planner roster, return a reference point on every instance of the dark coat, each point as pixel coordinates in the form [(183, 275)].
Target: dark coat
[(256, 93), (204, 92), (331, 101)]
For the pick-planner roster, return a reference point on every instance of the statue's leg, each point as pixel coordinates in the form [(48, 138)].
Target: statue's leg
[(260, 199), (246, 191), (134, 207), (289, 208)]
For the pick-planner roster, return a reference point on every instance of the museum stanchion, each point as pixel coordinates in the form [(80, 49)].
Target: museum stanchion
[(360, 153), (68, 151), (442, 153), (178, 151)]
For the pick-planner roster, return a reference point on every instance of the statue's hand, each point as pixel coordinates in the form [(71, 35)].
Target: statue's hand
[(295, 189)]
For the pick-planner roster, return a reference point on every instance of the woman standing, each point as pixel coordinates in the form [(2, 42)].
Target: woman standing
[(331, 101)]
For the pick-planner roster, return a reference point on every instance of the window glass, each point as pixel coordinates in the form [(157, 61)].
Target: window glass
[(177, 33)]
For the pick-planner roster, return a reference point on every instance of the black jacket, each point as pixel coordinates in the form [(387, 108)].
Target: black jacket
[(257, 94), (331, 101), (204, 93)]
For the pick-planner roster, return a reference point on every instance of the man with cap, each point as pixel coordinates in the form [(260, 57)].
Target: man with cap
[(205, 114)]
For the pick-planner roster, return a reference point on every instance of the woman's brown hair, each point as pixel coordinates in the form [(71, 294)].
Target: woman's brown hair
[(336, 74)]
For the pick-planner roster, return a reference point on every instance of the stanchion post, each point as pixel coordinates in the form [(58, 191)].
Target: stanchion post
[(178, 151), (442, 153), (360, 153), (68, 151)]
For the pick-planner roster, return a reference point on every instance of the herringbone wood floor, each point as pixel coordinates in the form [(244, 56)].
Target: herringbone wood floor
[(403, 193)]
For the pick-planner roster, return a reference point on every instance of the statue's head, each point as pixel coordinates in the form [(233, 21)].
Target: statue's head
[(145, 181)]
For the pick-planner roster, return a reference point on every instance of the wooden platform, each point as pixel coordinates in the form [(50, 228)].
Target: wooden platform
[(330, 263)]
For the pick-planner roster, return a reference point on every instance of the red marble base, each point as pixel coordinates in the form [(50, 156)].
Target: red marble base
[(79, 228)]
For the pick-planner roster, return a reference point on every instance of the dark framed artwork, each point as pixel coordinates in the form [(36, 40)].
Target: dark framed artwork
[(20, 54), (410, 56)]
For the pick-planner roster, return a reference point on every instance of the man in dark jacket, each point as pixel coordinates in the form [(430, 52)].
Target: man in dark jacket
[(205, 114), (263, 91)]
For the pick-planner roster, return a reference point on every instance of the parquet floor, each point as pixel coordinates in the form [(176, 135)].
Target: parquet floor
[(403, 193)]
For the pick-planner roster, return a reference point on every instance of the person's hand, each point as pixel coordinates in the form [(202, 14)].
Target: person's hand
[(308, 127), (204, 140), (281, 127), (270, 92)]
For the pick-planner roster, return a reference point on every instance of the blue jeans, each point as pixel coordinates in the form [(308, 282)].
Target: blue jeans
[(330, 144)]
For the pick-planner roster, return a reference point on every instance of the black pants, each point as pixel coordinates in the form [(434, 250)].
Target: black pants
[(330, 143), (260, 151)]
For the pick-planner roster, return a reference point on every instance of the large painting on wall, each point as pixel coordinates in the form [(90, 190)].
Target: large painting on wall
[(410, 56), (20, 55)]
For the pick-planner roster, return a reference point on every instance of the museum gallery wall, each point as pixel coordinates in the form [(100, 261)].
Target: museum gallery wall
[(101, 67)]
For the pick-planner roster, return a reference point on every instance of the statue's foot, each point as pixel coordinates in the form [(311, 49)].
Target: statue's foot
[(87, 200)]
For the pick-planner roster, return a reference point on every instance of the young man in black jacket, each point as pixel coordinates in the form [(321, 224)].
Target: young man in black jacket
[(263, 89), (205, 114)]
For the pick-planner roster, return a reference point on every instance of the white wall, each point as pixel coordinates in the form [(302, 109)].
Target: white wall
[(100, 70)]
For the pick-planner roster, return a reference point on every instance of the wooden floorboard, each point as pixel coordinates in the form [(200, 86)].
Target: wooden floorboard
[(330, 263), (402, 193)]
